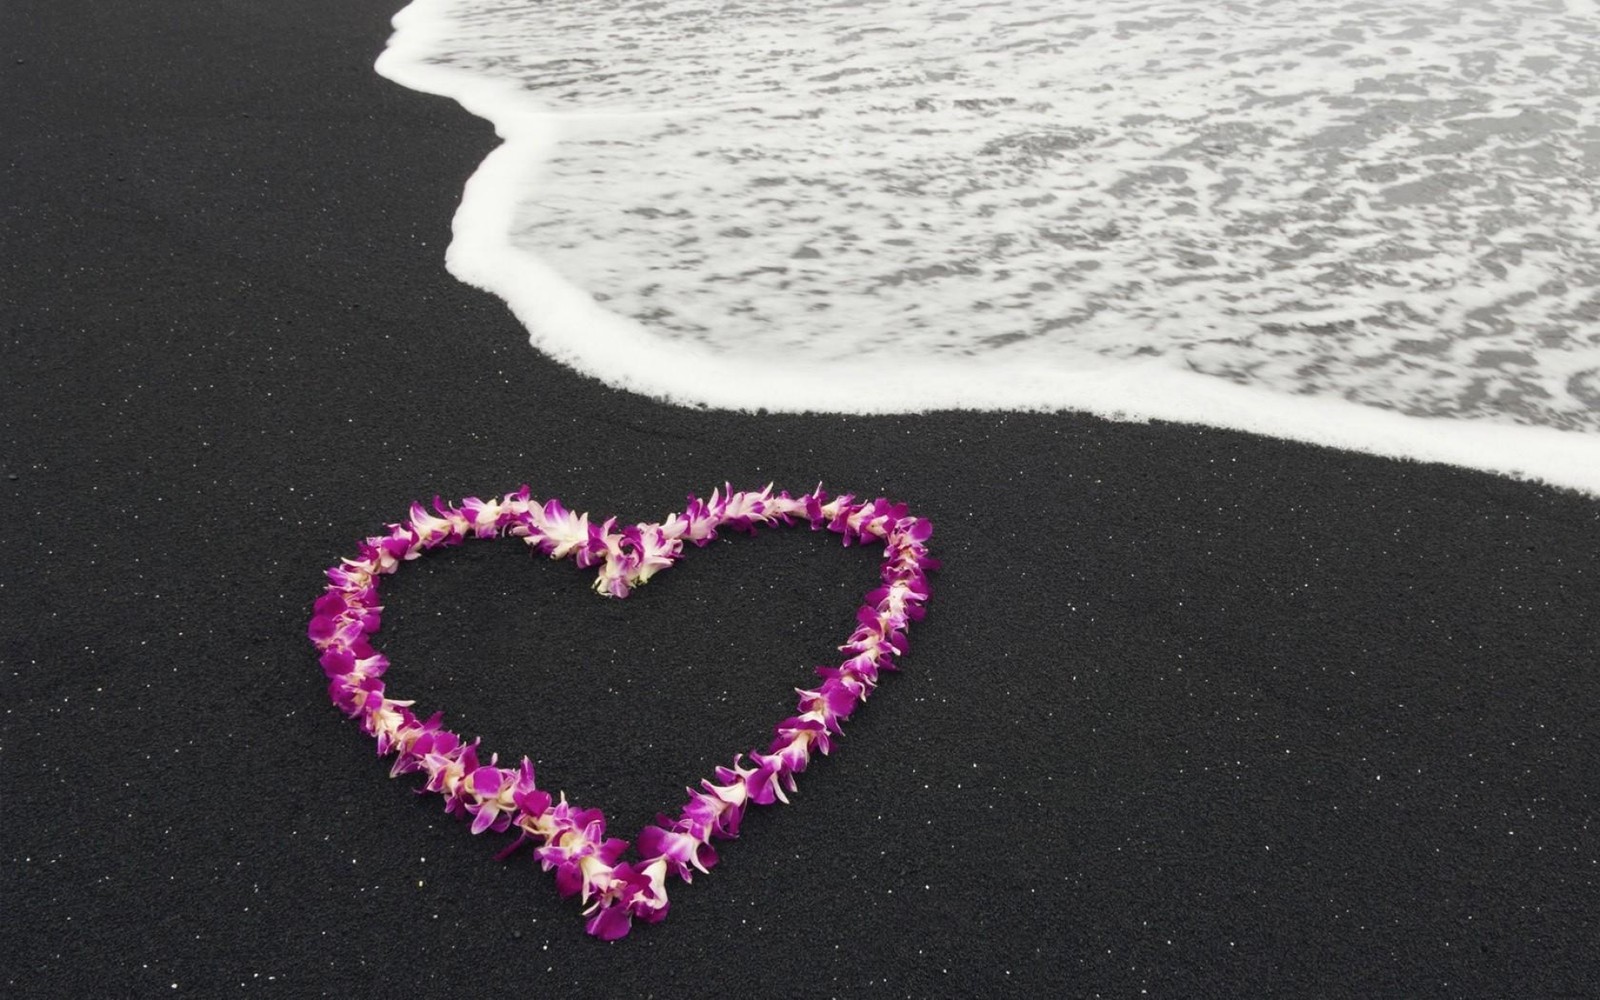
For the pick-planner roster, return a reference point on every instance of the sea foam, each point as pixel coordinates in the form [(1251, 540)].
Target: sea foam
[(1357, 224)]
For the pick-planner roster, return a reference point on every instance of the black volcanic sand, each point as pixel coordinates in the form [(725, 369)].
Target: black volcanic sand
[(1193, 712)]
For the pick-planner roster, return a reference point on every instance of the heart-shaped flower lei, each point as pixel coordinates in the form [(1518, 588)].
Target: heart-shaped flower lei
[(567, 838)]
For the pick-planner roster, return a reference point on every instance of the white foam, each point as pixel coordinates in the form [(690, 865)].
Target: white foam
[(1177, 143)]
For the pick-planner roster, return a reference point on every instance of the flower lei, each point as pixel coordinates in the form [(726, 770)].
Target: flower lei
[(566, 838)]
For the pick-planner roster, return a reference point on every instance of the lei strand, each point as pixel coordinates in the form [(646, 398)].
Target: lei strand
[(566, 838)]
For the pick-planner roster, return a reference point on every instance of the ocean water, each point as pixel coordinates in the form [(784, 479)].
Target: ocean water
[(1372, 225)]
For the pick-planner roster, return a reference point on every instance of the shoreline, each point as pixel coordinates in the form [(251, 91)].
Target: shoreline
[(564, 322)]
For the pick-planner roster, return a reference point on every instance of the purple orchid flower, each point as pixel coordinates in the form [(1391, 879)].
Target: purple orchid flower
[(486, 517), (448, 528), (560, 533), (686, 850)]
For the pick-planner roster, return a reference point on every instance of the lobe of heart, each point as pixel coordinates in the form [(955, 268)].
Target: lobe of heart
[(566, 838)]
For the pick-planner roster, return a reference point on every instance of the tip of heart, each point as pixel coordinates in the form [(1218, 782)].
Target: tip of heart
[(567, 839)]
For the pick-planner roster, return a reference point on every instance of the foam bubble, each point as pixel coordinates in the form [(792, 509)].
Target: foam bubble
[(1254, 215)]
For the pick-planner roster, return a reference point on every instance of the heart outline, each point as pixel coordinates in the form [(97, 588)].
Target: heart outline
[(586, 862)]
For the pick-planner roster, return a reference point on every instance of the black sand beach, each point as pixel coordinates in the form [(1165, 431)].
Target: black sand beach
[(1193, 713)]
